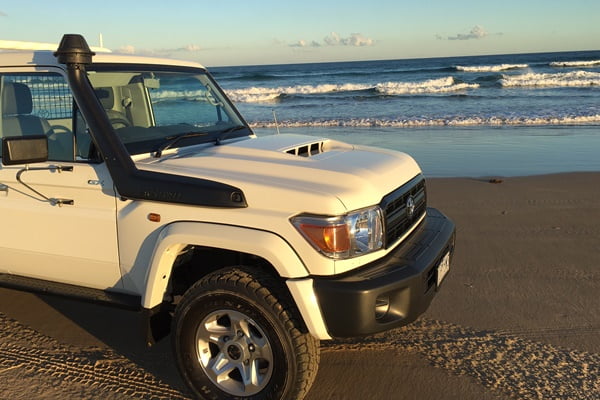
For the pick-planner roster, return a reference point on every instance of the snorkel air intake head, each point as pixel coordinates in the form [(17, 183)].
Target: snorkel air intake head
[(73, 49)]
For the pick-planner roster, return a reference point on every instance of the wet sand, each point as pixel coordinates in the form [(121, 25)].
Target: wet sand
[(517, 317)]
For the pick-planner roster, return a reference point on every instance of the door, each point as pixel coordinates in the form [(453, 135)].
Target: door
[(57, 224)]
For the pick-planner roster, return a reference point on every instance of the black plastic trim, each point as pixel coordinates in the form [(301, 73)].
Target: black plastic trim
[(156, 323), (15, 148), (96, 296), (130, 182), (406, 277), (397, 221)]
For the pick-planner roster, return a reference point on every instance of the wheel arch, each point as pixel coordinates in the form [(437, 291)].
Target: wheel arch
[(176, 239)]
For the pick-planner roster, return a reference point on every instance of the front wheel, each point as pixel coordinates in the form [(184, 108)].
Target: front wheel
[(236, 334)]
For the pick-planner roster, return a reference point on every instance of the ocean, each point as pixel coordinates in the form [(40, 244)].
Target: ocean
[(504, 115)]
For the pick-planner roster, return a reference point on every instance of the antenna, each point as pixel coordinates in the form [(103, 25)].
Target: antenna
[(101, 41), (276, 123)]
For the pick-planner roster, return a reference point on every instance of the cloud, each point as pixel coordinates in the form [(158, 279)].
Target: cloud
[(3, 14), (334, 39), (190, 47), (299, 43), (476, 33), (355, 39), (127, 49), (304, 43)]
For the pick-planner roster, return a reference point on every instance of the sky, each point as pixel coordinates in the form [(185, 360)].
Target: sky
[(236, 32)]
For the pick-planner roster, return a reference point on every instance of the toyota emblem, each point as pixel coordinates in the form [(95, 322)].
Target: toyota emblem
[(410, 207)]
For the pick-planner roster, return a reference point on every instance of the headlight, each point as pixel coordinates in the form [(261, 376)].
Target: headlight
[(346, 236)]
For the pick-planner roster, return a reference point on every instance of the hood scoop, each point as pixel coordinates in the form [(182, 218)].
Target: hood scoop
[(307, 150)]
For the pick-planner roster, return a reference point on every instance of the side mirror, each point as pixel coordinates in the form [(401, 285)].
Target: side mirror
[(24, 149)]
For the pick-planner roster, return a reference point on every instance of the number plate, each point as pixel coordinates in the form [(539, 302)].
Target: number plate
[(443, 268)]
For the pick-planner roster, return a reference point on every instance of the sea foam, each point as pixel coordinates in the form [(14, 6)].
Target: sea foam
[(415, 123), (267, 94), (571, 64), (162, 95), (490, 68), (431, 86), (562, 79)]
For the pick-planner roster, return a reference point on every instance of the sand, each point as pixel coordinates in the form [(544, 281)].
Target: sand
[(517, 318)]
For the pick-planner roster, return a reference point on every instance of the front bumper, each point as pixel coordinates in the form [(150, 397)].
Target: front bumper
[(406, 278)]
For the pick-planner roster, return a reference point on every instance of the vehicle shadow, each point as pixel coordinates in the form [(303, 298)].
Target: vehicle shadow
[(121, 332)]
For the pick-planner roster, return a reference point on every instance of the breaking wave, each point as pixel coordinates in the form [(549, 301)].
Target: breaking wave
[(432, 86), (412, 123), (490, 68), (164, 95), (439, 86), (266, 94), (442, 85), (563, 79), (571, 64)]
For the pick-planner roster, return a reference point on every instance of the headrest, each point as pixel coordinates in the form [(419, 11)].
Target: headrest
[(16, 99), (106, 97)]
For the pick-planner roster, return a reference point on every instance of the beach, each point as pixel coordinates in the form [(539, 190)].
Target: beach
[(516, 318), (477, 151), (497, 104)]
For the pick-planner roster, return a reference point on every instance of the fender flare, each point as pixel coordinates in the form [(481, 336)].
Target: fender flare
[(176, 236)]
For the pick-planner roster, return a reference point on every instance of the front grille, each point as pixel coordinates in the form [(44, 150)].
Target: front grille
[(396, 208)]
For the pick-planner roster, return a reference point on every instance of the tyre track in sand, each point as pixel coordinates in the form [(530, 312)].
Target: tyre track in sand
[(507, 362), (499, 360), (101, 368)]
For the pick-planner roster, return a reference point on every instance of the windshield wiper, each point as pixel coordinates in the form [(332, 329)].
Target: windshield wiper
[(224, 134), (173, 140)]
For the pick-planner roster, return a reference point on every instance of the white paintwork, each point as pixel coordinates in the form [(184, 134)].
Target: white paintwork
[(273, 198), (305, 298), (341, 179), (176, 236), (47, 59), (105, 242), (75, 244), (21, 45)]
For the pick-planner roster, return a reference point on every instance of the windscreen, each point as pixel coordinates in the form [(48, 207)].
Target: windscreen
[(156, 109)]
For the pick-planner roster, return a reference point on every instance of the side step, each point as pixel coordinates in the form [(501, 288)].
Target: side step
[(119, 300)]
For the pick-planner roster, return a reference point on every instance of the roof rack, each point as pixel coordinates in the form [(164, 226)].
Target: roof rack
[(19, 45)]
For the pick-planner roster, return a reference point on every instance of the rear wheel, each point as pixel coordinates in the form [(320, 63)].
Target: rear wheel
[(236, 334)]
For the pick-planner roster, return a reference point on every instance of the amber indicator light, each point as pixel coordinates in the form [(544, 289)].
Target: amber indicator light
[(153, 217)]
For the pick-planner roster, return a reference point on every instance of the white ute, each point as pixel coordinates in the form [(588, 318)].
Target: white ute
[(134, 182)]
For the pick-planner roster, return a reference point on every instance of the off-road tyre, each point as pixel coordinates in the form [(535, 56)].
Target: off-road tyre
[(236, 315)]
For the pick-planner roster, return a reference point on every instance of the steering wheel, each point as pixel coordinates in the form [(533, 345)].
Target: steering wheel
[(118, 123)]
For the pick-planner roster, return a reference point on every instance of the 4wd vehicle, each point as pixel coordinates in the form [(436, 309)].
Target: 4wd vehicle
[(134, 182)]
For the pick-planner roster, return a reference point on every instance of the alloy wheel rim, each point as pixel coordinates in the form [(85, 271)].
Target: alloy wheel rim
[(234, 352)]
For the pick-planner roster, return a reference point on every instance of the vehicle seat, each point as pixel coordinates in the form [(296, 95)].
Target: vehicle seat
[(17, 106), (17, 120), (118, 119)]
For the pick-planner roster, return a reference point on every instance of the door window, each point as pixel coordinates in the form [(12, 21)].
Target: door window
[(38, 104)]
